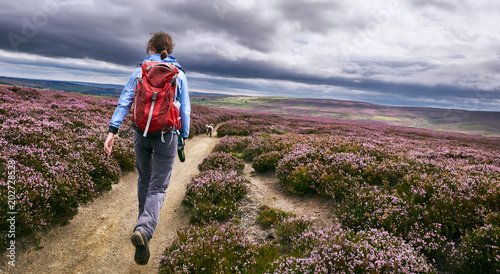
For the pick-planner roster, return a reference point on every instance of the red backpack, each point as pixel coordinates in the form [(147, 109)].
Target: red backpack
[(154, 107)]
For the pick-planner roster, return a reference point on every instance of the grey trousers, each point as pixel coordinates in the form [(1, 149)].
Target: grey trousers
[(154, 160)]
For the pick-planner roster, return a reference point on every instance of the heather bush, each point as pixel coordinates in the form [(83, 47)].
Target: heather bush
[(431, 210), (343, 172), (456, 201), (265, 143), (268, 124), (257, 146), (313, 169), (403, 194), (428, 190), (234, 127), (299, 181), (269, 216), (493, 218), (387, 171), (222, 161), (300, 168), (289, 230), (123, 155), (369, 207), (479, 252), (267, 161), (323, 164), (336, 250), (56, 141), (214, 248), (231, 144), (213, 195)]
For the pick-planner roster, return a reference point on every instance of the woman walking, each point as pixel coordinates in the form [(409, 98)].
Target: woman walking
[(154, 153)]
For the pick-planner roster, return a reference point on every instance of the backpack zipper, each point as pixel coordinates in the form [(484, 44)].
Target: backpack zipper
[(165, 65)]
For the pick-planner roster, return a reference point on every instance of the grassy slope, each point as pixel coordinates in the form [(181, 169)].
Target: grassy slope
[(470, 122)]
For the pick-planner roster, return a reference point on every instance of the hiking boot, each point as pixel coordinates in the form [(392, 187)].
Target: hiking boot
[(140, 241)]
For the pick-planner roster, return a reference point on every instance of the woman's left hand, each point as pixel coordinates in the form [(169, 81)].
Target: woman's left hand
[(108, 144)]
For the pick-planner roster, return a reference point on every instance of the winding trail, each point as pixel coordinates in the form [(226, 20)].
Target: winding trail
[(265, 189), (97, 239)]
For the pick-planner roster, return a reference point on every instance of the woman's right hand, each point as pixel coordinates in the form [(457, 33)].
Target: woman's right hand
[(108, 144)]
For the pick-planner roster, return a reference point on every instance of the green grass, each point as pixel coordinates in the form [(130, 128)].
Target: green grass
[(269, 216), (387, 118), (478, 123)]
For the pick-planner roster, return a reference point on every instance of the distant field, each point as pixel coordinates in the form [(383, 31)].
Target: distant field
[(75, 87), (469, 122)]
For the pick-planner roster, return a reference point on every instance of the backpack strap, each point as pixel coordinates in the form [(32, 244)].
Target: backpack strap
[(124, 134)]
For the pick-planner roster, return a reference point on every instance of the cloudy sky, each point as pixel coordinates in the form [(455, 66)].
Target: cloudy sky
[(436, 53)]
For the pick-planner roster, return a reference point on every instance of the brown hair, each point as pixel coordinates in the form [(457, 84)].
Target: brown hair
[(162, 43)]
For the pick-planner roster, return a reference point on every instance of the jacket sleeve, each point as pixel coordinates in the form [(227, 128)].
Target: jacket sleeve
[(124, 103), (185, 110)]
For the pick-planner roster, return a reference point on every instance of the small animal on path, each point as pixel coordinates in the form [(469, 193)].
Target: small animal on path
[(210, 128)]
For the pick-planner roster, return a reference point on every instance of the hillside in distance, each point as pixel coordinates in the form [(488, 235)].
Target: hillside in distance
[(453, 120), (75, 87), (86, 88)]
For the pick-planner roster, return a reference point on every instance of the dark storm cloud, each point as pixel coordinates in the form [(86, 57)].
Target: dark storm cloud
[(368, 68), (257, 70), (101, 30), (247, 26), (387, 47), (312, 16), (492, 65), (108, 31), (441, 4), (95, 30)]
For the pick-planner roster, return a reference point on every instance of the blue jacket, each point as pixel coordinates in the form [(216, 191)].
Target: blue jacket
[(127, 97)]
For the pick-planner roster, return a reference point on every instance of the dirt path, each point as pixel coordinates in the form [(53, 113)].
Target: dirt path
[(265, 189), (97, 240)]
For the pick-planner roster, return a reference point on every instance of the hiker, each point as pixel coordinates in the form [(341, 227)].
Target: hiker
[(155, 152), (210, 128)]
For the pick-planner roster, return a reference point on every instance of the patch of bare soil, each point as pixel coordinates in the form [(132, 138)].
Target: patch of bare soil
[(265, 189)]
